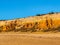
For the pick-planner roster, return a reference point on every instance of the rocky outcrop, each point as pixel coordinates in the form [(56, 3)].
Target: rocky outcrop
[(36, 23)]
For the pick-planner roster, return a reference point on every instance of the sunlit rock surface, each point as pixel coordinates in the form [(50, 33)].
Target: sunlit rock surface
[(33, 23)]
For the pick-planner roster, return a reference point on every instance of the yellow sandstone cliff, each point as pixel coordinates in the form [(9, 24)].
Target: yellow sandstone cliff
[(36, 23)]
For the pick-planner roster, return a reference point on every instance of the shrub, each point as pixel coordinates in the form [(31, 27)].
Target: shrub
[(51, 13), (38, 15)]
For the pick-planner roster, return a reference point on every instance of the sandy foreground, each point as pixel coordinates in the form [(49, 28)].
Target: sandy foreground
[(29, 39)]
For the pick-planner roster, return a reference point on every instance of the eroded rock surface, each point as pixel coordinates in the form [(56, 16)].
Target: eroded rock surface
[(35, 23)]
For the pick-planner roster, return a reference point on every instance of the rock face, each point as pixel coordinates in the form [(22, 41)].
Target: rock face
[(36, 23)]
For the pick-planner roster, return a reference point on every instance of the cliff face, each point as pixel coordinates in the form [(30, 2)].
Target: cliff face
[(36, 23)]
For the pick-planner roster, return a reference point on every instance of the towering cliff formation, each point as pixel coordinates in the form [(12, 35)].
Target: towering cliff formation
[(45, 22)]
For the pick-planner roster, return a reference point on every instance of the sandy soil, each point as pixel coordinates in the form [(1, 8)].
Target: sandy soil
[(29, 39)]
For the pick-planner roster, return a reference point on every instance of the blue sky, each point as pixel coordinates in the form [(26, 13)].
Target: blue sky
[(11, 9)]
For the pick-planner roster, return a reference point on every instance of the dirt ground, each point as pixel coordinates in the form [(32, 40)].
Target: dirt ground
[(29, 39)]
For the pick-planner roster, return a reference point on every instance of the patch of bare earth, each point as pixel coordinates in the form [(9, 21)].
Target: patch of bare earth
[(29, 39)]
